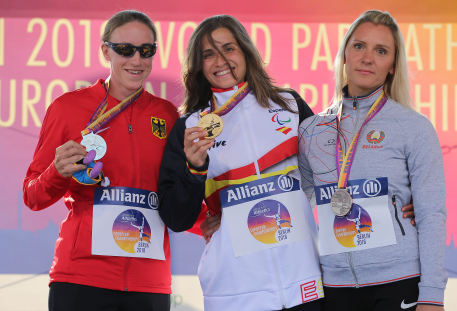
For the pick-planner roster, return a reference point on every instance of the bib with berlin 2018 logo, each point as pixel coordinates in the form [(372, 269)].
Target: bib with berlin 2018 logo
[(367, 225), (263, 214), (126, 223)]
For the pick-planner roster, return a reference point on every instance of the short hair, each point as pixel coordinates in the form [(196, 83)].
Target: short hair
[(124, 17), (397, 85)]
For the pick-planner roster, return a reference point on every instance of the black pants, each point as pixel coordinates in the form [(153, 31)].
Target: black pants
[(75, 297), (391, 297), (309, 306)]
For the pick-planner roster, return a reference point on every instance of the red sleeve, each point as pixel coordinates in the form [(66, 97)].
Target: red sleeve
[(43, 185), (201, 217)]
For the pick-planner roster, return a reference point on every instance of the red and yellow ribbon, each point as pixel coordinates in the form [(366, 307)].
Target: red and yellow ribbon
[(345, 160), (100, 118), (230, 103)]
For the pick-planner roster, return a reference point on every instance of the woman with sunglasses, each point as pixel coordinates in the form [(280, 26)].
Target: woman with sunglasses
[(113, 250), (384, 154), (263, 257)]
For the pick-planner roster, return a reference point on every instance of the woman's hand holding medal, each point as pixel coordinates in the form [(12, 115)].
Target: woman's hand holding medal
[(196, 146), (66, 157)]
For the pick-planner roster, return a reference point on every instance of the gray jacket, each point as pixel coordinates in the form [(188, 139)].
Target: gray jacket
[(408, 153)]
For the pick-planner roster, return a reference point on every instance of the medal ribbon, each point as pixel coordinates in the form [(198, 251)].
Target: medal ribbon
[(345, 160), (230, 103), (100, 118)]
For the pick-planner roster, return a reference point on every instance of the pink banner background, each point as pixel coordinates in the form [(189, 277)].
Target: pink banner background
[(40, 58)]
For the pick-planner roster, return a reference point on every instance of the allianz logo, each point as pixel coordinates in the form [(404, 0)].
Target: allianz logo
[(285, 183), (119, 195), (371, 188)]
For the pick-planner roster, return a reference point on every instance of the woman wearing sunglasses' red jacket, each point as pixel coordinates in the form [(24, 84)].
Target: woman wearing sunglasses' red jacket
[(113, 250)]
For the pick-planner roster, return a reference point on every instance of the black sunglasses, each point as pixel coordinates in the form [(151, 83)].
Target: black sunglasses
[(128, 50)]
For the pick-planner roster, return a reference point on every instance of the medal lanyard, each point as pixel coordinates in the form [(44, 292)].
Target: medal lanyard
[(345, 160), (100, 118), (229, 104)]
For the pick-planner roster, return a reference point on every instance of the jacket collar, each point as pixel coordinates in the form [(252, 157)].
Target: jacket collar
[(99, 92), (362, 102), (215, 90), (223, 95)]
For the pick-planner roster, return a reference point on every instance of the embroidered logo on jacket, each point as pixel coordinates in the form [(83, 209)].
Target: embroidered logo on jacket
[(375, 137), (159, 127), (283, 129), (330, 142)]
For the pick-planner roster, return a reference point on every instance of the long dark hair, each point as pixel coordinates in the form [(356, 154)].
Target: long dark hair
[(198, 89)]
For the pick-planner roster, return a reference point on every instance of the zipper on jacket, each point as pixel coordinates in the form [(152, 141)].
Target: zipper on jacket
[(355, 105), (281, 293), (129, 122), (351, 265), (127, 263), (396, 215), (256, 164)]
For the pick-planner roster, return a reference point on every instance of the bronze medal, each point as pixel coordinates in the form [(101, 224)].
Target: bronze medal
[(212, 124), (341, 202)]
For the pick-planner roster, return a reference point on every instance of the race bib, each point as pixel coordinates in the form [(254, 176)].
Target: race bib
[(367, 225), (264, 213), (126, 223)]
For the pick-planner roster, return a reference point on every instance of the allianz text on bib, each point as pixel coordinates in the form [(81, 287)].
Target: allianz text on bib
[(126, 223)]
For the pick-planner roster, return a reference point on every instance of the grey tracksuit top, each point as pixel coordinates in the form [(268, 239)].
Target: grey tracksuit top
[(410, 157)]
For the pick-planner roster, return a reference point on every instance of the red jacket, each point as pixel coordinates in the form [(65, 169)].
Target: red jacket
[(132, 160)]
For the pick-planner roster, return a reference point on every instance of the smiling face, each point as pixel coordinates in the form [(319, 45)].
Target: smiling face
[(215, 69), (128, 73), (369, 57)]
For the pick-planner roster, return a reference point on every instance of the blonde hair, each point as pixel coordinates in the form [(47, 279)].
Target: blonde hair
[(396, 86)]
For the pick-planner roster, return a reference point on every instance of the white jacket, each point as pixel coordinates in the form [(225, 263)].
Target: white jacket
[(255, 143)]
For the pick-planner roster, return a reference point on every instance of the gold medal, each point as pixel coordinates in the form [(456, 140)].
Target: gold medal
[(212, 124)]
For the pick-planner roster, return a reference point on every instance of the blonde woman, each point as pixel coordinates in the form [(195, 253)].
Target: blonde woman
[(360, 160)]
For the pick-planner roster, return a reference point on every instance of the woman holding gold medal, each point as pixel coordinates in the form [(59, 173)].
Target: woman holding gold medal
[(248, 172), (113, 249), (247, 168), (385, 154)]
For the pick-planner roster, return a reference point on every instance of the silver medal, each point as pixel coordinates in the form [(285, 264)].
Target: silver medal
[(341, 202), (94, 142)]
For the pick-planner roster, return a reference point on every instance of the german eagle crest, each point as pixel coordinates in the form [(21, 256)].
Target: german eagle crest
[(159, 127)]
